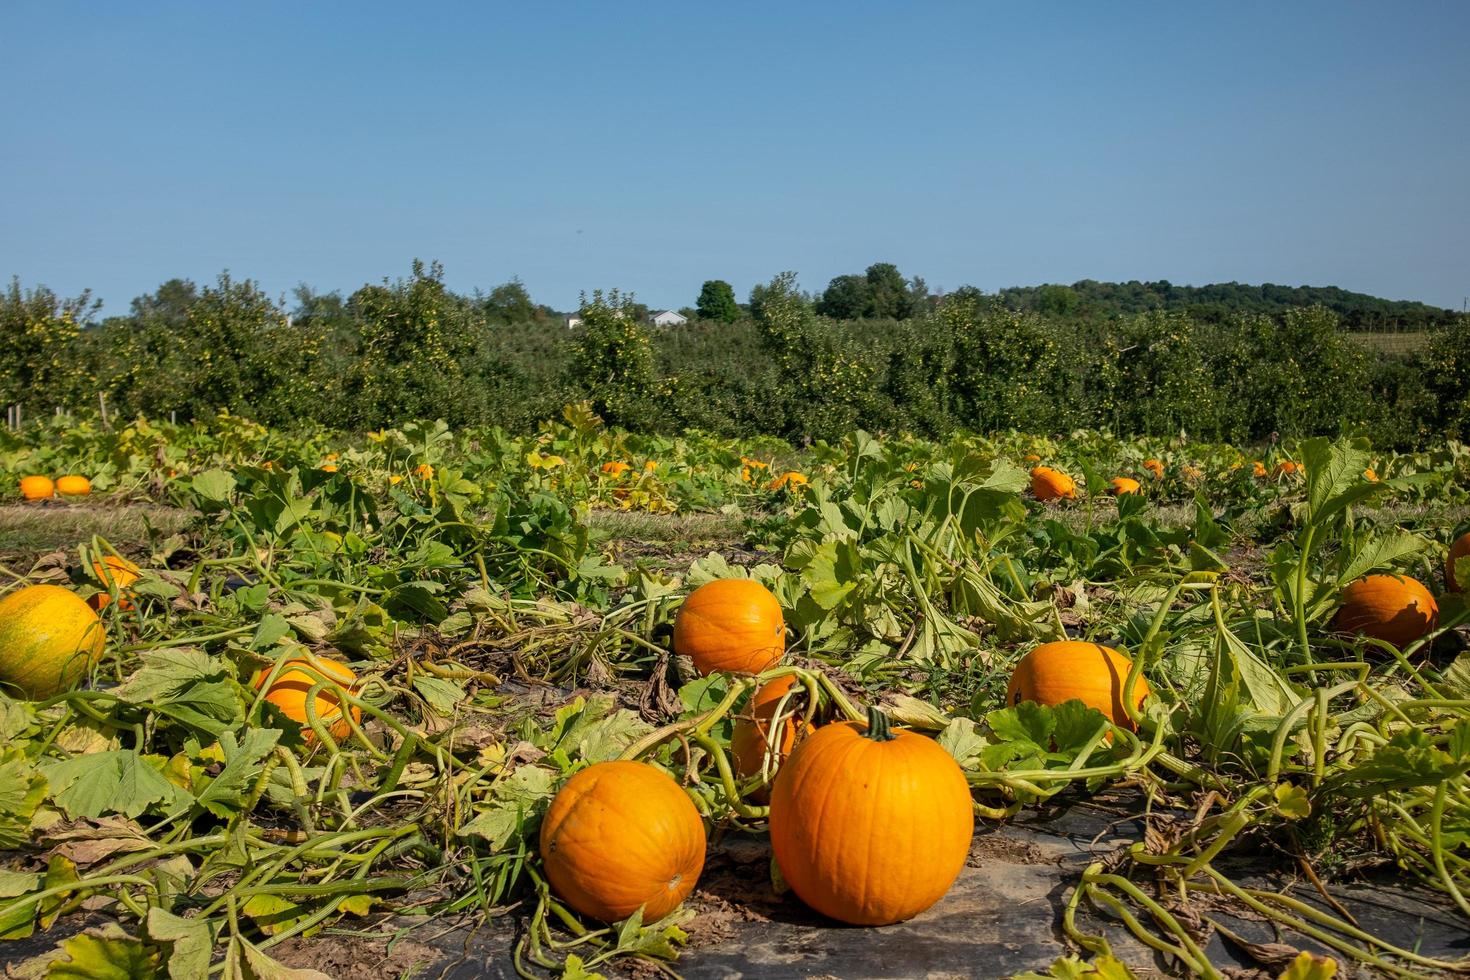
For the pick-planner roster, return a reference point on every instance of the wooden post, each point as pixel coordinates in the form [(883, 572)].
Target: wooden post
[(102, 403)]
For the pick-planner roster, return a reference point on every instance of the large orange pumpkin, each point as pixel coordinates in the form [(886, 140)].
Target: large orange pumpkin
[(110, 570), (731, 624), (1460, 549), (37, 487), (297, 677), (73, 486), (1050, 484), (620, 836), (49, 639), (752, 744), (1123, 485), (869, 826), (1065, 670), (1393, 608)]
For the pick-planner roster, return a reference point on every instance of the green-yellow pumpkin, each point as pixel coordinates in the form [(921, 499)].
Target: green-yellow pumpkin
[(49, 639)]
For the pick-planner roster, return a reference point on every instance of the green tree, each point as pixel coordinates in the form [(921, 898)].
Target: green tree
[(846, 298), (717, 302), (888, 292), (614, 360), (40, 362)]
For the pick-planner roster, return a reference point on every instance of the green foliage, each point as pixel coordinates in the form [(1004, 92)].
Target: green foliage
[(614, 360), (717, 302)]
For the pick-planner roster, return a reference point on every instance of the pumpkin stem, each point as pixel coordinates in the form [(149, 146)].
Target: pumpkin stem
[(878, 725)]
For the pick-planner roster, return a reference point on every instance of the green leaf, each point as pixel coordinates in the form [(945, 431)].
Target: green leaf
[(19, 921), (703, 693), (116, 781), (214, 486), (107, 953), (1292, 802), (190, 943), (821, 576), (225, 793), (22, 790), (189, 686), (443, 695), (605, 739), (962, 741), (1380, 552), (573, 969)]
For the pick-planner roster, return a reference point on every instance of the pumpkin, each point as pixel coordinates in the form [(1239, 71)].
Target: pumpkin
[(424, 471), (1065, 670), (49, 640), (1371, 475), (1258, 469), (751, 743), (621, 836), (1050, 484), (1032, 458), (1460, 549), (787, 481), (869, 826), (1393, 608), (1125, 485), (1154, 467), (329, 467), (72, 485), (1287, 467), (37, 487), (297, 676), (731, 624), (112, 570), (615, 468)]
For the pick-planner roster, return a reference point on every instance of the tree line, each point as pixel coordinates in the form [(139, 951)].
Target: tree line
[(882, 353)]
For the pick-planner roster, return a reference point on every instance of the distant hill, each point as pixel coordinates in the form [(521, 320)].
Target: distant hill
[(1358, 311)]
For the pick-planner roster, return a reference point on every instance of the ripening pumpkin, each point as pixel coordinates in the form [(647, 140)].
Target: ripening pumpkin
[(1154, 467), (1460, 549), (49, 639), (1287, 467), (111, 569), (732, 624), (1032, 458), (869, 826), (1050, 484), (751, 743), (329, 467), (1125, 485), (297, 677), (1064, 670), (1258, 469), (620, 836), (72, 485), (615, 468), (1393, 608), (424, 471), (37, 487)]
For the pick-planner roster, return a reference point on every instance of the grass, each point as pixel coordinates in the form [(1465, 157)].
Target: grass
[(36, 529), (1388, 342)]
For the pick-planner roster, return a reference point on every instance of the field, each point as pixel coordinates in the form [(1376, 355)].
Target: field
[(343, 676)]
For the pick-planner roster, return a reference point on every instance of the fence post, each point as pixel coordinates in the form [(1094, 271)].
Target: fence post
[(102, 403)]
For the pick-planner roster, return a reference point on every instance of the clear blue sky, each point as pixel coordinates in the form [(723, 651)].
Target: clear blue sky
[(652, 146)]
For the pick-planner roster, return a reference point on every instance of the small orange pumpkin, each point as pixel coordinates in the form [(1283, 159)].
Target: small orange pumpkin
[(329, 467), (615, 468), (869, 826), (1393, 608), (72, 485), (1154, 467), (1258, 469), (49, 640), (751, 743), (111, 569), (620, 836), (298, 675), (1460, 549), (1065, 670), (1125, 485), (37, 487), (731, 624), (424, 471), (787, 481), (1050, 484), (1287, 467)]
